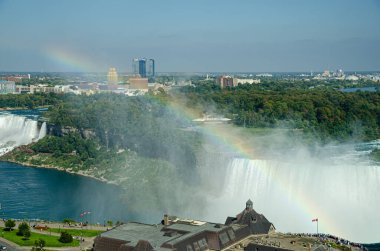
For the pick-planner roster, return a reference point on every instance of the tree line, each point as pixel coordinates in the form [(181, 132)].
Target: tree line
[(323, 112), (28, 101)]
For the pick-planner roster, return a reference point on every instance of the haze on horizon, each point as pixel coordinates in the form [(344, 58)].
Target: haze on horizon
[(190, 36)]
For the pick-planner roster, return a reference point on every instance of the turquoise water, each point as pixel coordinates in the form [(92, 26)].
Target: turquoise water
[(37, 193)]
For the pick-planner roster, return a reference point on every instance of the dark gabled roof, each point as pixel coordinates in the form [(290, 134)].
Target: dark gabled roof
[(257, 223), (143, 246), (230, 220)]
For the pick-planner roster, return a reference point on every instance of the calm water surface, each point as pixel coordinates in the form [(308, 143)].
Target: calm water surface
[(37, 193)]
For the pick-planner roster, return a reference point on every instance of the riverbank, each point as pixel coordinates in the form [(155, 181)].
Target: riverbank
[(25, 156), (61, 169), (23, 108), (123, 168)]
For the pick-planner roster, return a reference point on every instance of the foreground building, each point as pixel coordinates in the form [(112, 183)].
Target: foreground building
[(256, 222), (189, 235), (248, 231)]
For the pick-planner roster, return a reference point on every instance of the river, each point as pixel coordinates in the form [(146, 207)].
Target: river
[(38, 193)]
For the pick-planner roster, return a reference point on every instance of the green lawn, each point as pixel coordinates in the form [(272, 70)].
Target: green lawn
[(51, 241), (76, 232)]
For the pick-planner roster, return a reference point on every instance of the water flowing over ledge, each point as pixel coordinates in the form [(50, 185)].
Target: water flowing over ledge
[(18, 130), (342, 194)]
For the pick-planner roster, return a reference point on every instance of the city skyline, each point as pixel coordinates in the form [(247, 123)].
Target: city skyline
[(196, 36)]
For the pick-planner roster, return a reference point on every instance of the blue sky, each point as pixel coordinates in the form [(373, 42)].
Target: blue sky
[(190, 35)]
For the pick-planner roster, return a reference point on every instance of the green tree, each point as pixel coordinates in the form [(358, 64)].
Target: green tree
[(66, 237), (9, 224), (24, 230), (39, 245)]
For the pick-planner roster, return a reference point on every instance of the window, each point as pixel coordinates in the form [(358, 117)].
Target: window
[(202, 244), (223, 237), (196, 246), (231, 234)]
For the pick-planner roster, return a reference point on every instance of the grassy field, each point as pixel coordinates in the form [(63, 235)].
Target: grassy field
[(76, 232), (51, 241)]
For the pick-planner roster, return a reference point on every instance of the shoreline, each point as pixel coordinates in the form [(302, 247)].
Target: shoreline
[(60, 169), (22, 108)]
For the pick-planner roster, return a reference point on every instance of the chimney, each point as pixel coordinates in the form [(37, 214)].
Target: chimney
[(166, 220)]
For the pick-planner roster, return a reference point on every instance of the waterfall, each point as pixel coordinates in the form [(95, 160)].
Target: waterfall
[(42, 132), (341, 190), (17, 130)]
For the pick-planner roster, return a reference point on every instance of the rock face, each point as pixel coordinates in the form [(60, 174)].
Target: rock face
[(64, 130)]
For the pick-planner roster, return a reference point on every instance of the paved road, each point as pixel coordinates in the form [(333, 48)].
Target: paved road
[(8, 247)]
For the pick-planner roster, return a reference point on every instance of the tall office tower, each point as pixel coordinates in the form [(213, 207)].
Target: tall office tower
[(139, 67), (150, 71), (112, 76), (143, 67)]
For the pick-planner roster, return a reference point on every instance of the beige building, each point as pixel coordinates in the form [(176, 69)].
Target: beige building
[(138, 83), (112, 76), (225, 81), (243, 81)]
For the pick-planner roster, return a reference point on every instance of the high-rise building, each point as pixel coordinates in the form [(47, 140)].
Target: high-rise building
[(139, 67), (143, 67), (150, 69), (112, 76)]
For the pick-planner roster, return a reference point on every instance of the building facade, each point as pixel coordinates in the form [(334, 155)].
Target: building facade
[(150, 68), (176, 234), (143, 67), (7, 87), (226, 81), (138, 83), (112, 76), (139, 67)]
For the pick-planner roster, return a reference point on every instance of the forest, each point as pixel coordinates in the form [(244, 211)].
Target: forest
[(28, 101), (324, 113)]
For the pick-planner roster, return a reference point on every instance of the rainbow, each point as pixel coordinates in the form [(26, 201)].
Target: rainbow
[(69, 60), (222, 135)]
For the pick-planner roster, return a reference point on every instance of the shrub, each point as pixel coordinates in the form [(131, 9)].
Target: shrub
[(24, 230), (9, 224), (39, 245), (68, 221), (66, 237)]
